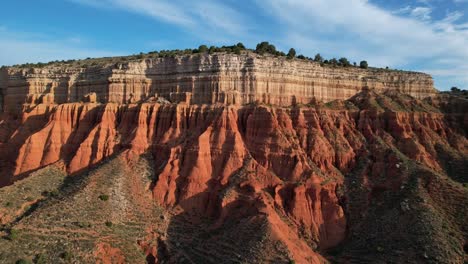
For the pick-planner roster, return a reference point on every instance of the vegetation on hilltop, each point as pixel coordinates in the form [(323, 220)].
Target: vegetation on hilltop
[(457, 92), (262, 48)]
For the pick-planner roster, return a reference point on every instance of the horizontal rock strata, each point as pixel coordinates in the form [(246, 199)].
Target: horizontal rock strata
[(204, 79)]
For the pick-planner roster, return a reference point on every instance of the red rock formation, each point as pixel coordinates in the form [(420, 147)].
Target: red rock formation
[(276, 163)]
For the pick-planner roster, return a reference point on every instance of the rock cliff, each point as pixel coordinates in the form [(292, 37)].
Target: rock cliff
[(231, 159), (204, 79), (291, 172)]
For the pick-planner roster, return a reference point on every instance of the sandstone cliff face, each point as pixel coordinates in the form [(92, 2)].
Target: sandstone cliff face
[(204, 79)]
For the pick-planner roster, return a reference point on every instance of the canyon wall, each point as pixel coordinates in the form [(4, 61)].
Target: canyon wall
[(313, 176), (203, 79), (283, 166)]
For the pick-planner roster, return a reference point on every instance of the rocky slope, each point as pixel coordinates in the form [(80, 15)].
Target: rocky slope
[(203, 79)]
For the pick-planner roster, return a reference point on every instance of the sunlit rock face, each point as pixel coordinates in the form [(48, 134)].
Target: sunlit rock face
[(244, 148), (204, 79)]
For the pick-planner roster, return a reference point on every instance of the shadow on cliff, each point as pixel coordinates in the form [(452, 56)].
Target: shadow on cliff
[(11, 149), (91, 119), (9, 152), (67, 151)]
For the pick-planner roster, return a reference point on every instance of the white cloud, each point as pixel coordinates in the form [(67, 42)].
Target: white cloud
[(359, 28), (423, 13), (403, 10), (201, 16), (419, 12), (356, 29)]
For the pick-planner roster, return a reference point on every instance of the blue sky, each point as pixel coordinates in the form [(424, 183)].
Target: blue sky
[(421, 35)]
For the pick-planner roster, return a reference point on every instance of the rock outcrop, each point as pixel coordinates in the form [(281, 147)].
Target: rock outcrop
[(204, 79)]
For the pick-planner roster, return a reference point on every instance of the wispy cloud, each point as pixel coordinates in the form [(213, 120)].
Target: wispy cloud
[(412, 37), (423, 13), (360, 28), (200, 16)]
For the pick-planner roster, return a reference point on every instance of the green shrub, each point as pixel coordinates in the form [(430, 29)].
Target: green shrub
[(291, 53), (104, 197), (202, 49), (363, 65), (67, 256), (318, 58), (455, 89), (344, 62), (212, 50), (13, 234), (40, 259), (265, 47), (108, 223), (241, 46), (237, 50)]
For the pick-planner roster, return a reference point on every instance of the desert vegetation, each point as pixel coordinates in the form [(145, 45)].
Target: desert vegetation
[(262, 48)]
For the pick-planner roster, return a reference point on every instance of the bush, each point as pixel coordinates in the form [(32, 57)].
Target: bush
[(302, 57), (13, 234), (344, 62), (363, 65), (67, 256), (203, 49), (333, 61), (241, 46), (291, 53), (108, 223), (280, 53), (455, 90), (104, 197), (318, 58), (40, 259), (265, 47), (212, 50), (237, 50)]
